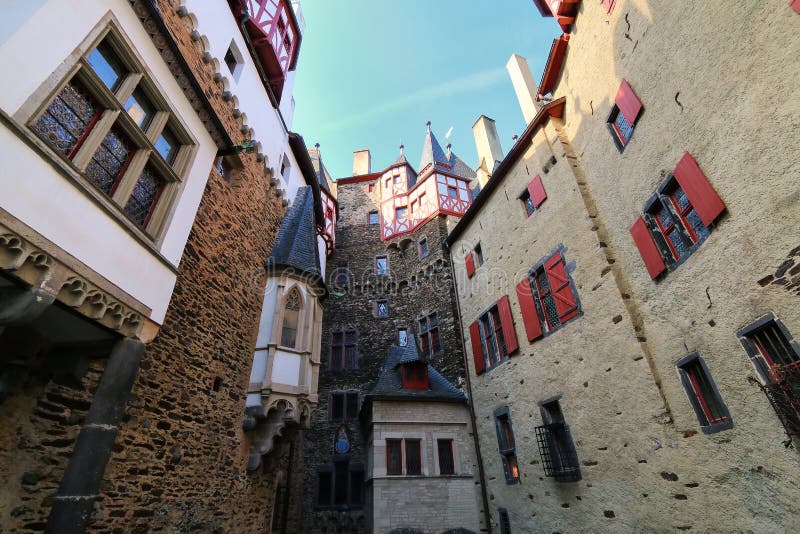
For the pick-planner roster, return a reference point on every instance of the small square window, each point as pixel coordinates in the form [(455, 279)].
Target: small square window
[(423, 248), (478, 255), (371, 188), (381, 265), (452, 192), (400, 213), (373, 217), (382, 308)]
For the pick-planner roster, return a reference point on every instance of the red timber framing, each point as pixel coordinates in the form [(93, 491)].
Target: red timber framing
[(273, 30), (552, 69), (564, 11), (328, 232)]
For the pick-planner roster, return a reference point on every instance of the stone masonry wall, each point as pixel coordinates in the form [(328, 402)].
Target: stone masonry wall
[(179, 462), (415, 287)]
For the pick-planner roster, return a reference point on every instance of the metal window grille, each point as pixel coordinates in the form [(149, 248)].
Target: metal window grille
[(784, 395), (559, 457)]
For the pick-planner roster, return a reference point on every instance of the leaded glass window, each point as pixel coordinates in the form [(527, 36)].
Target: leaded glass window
[(144, 197), (110, 160), (68, 118)]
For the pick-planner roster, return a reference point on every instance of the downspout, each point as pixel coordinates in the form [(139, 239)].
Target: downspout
[(487, 517)]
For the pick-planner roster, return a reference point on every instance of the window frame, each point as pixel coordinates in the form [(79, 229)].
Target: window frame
[(506, 445), (377, 218), (449, 443), (418, 443), (113, 114), (557, 449), (545, 321), (618, 136), (346, 364), (428, 333), (700, 397), (377, 264), (353, 470), (399, 443), (402, 333), (423, 244), (760, 358), (346, 396), (527, 202), (492, 316), (377, 308)]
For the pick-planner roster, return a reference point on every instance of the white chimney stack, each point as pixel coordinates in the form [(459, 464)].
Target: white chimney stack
[(488, 145), (524, 86), (362, 162)]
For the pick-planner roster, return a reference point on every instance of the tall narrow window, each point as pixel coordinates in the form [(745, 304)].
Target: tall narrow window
[(291, 317), (381, 265), (423, 248), (478, 255), (505, 522), (413, 457), (445, 449), (373, 218), (344, 354), (429, 339), (505, 442), (559, 457), (402, 337), (394, 457), (381, 308), (712, 414), (344, 406)]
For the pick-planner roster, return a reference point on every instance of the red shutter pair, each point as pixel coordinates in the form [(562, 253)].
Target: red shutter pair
[(470, 262), (509, 335), (536, 191), (566, 301), (701, 195), (628, 103)]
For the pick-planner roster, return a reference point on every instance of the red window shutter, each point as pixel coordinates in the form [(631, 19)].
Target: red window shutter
[(795, 4), (470, 261), (536, 191), (507, 323), (647, 248), (477, 348), (530, 317), (628, 103), (609, 5), (562, 290), (705, 200)]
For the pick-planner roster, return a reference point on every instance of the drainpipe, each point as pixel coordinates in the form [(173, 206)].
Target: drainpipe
[(487, 517)]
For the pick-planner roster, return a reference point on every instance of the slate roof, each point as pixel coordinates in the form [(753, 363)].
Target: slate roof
[(296, 246), (390, 385), (323, 177), (432, 152)]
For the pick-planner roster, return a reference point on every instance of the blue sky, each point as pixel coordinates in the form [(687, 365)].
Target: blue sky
[(372, 72)]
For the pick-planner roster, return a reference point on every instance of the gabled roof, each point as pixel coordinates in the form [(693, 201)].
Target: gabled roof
[(296, 246), (323, 177), (389, 385)]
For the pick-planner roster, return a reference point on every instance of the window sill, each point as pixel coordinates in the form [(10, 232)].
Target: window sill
[(716, 427)]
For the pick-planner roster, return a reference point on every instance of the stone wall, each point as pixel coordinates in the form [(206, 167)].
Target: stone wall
[(414, 287)]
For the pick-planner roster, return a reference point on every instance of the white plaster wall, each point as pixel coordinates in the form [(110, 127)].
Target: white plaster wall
[(286, 369), (43, 199), (267, 313), (322, 251)]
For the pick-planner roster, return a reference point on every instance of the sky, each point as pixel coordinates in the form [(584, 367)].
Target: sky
[(371, 73)]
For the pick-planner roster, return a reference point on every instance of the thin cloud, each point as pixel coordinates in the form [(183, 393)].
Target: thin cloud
[(465, 84)]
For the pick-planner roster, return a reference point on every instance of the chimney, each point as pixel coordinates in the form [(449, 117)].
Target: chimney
[(362, 162), (488, 145), (524, 86)]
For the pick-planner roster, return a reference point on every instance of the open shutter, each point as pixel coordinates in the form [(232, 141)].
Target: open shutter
[(628, 103), (795, 4), (477, 348), (470, 262), (507, 323), (530, 317), (536, 191), (562, 290), (704, 199), (647, 248)]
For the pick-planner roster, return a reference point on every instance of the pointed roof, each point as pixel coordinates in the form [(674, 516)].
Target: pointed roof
[(296, 246), (402, 157), (411, 351), (323, 177), (432, 153), (390, 383)]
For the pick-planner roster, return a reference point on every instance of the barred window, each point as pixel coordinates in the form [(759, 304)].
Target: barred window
[(110, 122), (556, 448)]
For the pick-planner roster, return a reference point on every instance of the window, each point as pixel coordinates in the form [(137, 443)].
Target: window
[(340, 485), (478, 255), (414, 375), (396, 180), (547, 298), (381, 265), (286, 167), (394, 457), (381, 308), (625, 112), (776, 358), (83, 124), (402, 337), (677, 218), (413, 457), (446, 462), (373, 217), (429, 340), (452, 192), (400, 213), (505, 522), (423, 248), (505, 442), (344, 406), (493, 337), (533, 196), (559, 457), (343, 350), (234, 61), (712, 414), (291, 317), (371, 188)]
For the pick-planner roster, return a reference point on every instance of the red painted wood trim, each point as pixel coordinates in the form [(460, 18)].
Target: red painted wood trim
[(470, 263), (627, 102), (507, 323), (795, 4), (647, 248), (552, 69), (699, 191), (530, 317), (477, 348), (537, 192)]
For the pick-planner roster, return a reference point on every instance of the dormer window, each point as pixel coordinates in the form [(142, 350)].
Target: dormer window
[(415, 376)]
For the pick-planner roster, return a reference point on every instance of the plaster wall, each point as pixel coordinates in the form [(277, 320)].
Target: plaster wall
[(42, 198)]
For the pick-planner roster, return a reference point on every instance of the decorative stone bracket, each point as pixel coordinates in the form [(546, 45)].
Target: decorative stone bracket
[(265, 425)]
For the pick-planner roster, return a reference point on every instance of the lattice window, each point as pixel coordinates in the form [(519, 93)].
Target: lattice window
[(68, 118), (559, 458)]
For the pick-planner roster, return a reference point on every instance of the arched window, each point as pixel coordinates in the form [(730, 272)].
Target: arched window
[(291, 316)]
